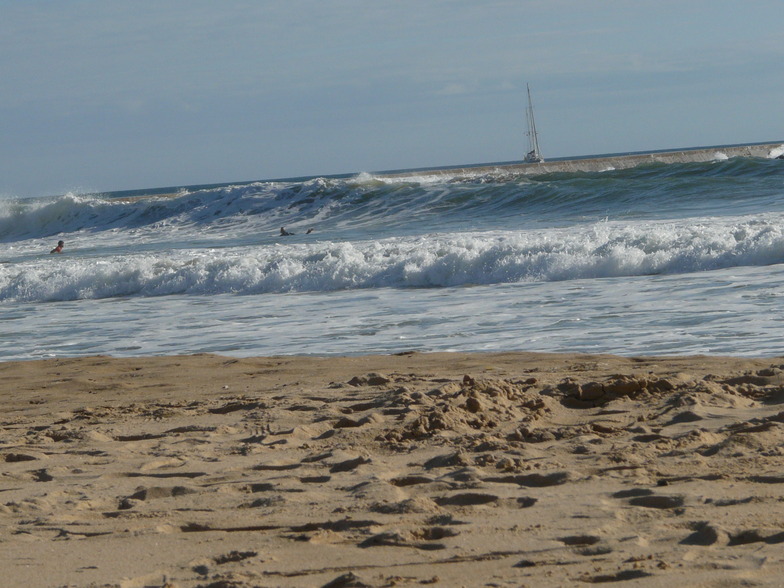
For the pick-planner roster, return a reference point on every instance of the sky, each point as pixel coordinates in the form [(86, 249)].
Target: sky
[(104, 95)]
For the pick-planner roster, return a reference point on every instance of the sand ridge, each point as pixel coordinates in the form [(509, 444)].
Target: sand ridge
[(513, 469)]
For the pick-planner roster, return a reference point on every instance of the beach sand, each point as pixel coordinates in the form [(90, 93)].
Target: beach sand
[(513, 469)]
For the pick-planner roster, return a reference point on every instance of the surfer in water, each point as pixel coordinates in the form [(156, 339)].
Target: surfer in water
[(59, 248), (285, 233)]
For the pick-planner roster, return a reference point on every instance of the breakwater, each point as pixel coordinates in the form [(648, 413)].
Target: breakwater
[(609, 162)]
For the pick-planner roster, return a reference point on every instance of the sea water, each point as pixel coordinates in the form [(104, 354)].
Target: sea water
[(684, 258)]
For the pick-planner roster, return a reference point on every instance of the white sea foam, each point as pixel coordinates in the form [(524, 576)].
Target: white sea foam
[(601, 250), (732, 311), (776, 152)]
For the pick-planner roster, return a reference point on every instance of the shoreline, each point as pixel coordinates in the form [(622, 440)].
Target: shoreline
[(518, 468)]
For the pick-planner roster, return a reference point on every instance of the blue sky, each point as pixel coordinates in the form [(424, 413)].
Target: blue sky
[(99, 95)]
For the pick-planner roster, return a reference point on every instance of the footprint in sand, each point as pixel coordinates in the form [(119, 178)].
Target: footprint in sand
[(348, 465), (163, 462), (347, 580), (234, 406), (315, 479), (534, 480), (586, 545), (153, 493), (755, 536), (41, 476), (411, 480), (424, 539), (621, 576), (17, 457), (419, 504), (234, 556), (706, 533), (467, 499), (648, 499)]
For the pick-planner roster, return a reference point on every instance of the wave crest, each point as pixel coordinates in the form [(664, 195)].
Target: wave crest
[(597, 251)]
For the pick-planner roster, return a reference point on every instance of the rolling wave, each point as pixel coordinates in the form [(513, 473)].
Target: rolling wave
[(599, 250), (383, 207)]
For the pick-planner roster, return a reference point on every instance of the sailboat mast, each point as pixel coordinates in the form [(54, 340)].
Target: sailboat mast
[(532, 122), (533, 155)]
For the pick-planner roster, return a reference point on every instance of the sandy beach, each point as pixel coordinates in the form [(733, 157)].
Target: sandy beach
[(513, 469)]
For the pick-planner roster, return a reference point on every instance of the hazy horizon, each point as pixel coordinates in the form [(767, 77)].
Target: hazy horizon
[(110, 96)]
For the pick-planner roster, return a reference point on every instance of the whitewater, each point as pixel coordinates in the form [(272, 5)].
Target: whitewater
[(681, 258)]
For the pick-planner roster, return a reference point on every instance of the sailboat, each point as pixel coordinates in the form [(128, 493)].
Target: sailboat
[(533, 155)]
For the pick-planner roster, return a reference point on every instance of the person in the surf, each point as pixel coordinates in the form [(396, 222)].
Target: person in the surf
[(285, 233), (59, 248)]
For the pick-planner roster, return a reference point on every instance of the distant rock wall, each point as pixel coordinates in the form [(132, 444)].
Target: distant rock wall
[(594, 164)]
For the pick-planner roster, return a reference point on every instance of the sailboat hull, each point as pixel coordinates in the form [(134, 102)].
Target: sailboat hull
[(533, 157)]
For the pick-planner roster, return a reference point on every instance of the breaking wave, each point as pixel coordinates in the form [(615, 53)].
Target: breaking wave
[(598, 250)]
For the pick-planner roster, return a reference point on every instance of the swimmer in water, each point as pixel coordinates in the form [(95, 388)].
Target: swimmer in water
[(285, 233), (59, 248)]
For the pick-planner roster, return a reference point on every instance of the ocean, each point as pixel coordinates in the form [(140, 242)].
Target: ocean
[(660, 259)]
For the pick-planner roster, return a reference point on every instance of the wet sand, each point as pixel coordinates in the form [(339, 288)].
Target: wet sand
[(512, 469)]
